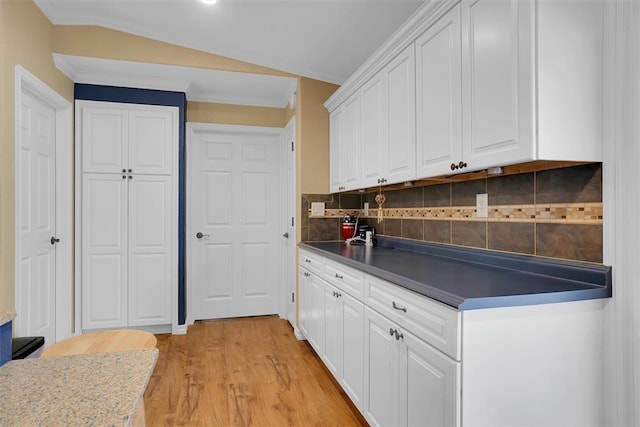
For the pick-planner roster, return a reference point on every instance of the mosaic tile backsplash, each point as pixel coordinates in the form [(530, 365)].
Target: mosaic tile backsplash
[(554, 213)]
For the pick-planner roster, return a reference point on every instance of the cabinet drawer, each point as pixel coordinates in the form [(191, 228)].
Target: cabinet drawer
[(345, 278), (436, 323), (311, 261)]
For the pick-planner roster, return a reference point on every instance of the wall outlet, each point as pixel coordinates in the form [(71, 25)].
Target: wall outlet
[(366, 209), (482, 205)]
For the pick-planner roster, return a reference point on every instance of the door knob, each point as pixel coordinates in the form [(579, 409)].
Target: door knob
[(54, 240), (199, 235), (285, 235)]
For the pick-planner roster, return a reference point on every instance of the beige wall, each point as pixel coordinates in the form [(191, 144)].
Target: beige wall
[(26, 39), (312, 122), (204, 112)]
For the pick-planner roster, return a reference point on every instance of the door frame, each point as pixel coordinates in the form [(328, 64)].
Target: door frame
[(27, 82), (193, 127)]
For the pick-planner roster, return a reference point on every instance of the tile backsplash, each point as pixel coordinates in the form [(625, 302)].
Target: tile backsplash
[(553, 213)]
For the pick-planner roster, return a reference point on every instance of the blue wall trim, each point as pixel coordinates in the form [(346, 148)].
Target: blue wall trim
[(154, 97)]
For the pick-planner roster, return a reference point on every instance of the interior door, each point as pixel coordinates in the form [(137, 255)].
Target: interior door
[(36, 219), (234, 235), (289, 241)]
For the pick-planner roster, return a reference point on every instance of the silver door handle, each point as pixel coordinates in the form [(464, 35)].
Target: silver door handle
[(199, 235), (285, 235)]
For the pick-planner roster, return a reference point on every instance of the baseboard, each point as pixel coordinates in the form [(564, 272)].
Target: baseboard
[(179, 329), (299, 336)]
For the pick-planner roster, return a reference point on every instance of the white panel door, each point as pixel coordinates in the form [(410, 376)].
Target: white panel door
[(401, 128), (438, 92), (382, 355), (36, 219), (152, 135), (104, 137), (497, 70), (289, 228), (151, 273), (104, 251), (235, 205)]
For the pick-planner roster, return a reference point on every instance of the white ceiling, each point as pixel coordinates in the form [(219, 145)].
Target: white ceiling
[(321, 39)]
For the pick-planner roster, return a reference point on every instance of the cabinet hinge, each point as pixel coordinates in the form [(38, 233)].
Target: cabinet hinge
[(292, 221), (293, 297), (291, 145)]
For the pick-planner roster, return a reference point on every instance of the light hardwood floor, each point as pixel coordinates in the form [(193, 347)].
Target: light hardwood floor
[(243, 372)]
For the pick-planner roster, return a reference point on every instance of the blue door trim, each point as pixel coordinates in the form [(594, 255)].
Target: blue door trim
[(154, 97)]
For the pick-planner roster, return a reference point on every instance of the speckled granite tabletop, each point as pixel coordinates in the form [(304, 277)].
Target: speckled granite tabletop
[(102, 389), (7, 316)]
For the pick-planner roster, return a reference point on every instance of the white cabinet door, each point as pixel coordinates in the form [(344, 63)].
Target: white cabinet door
[(151, 207), (336, 147), (304, 301), (332, 329), (497, 67), (128, 214), (104, 251), (438, 92), (352, 143), (401, 126), (382, 401), (104, 136), (374, 134), (152, 135), (315, 324), (353, 349), (430, 385)]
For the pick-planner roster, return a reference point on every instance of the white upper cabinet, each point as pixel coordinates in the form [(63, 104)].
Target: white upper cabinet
[(495, 83), (401, 108), (497, 77), (107, 129), (374, 130), (139, 138), (438, 96), (336, 147), (344, 146), (150, 136)]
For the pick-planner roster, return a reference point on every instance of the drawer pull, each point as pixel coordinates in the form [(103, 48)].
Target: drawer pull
[(399, 336), (307, 260), (397, 307), (392, 331), (339, 276)]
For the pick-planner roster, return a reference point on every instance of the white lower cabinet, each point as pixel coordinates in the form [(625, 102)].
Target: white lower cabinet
[(333, 323), (407, 360), (408, 382), (310, 309)]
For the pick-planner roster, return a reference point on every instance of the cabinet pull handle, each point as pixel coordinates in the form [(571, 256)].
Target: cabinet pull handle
[(391, 331), (339, 276), (397, 307), (399, 336), (307, 260)]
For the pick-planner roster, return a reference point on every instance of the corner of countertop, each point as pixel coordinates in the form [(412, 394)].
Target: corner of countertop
[(7, 316)]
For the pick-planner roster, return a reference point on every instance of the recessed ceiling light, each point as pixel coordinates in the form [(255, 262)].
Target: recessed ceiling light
[(209, 1)]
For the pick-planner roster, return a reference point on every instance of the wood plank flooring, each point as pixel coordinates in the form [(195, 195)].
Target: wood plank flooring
[(243, 372)]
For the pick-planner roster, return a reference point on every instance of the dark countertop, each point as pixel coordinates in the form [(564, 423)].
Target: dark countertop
[(468, 279)]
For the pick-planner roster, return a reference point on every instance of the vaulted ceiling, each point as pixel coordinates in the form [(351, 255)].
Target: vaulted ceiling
[(322, 39)]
